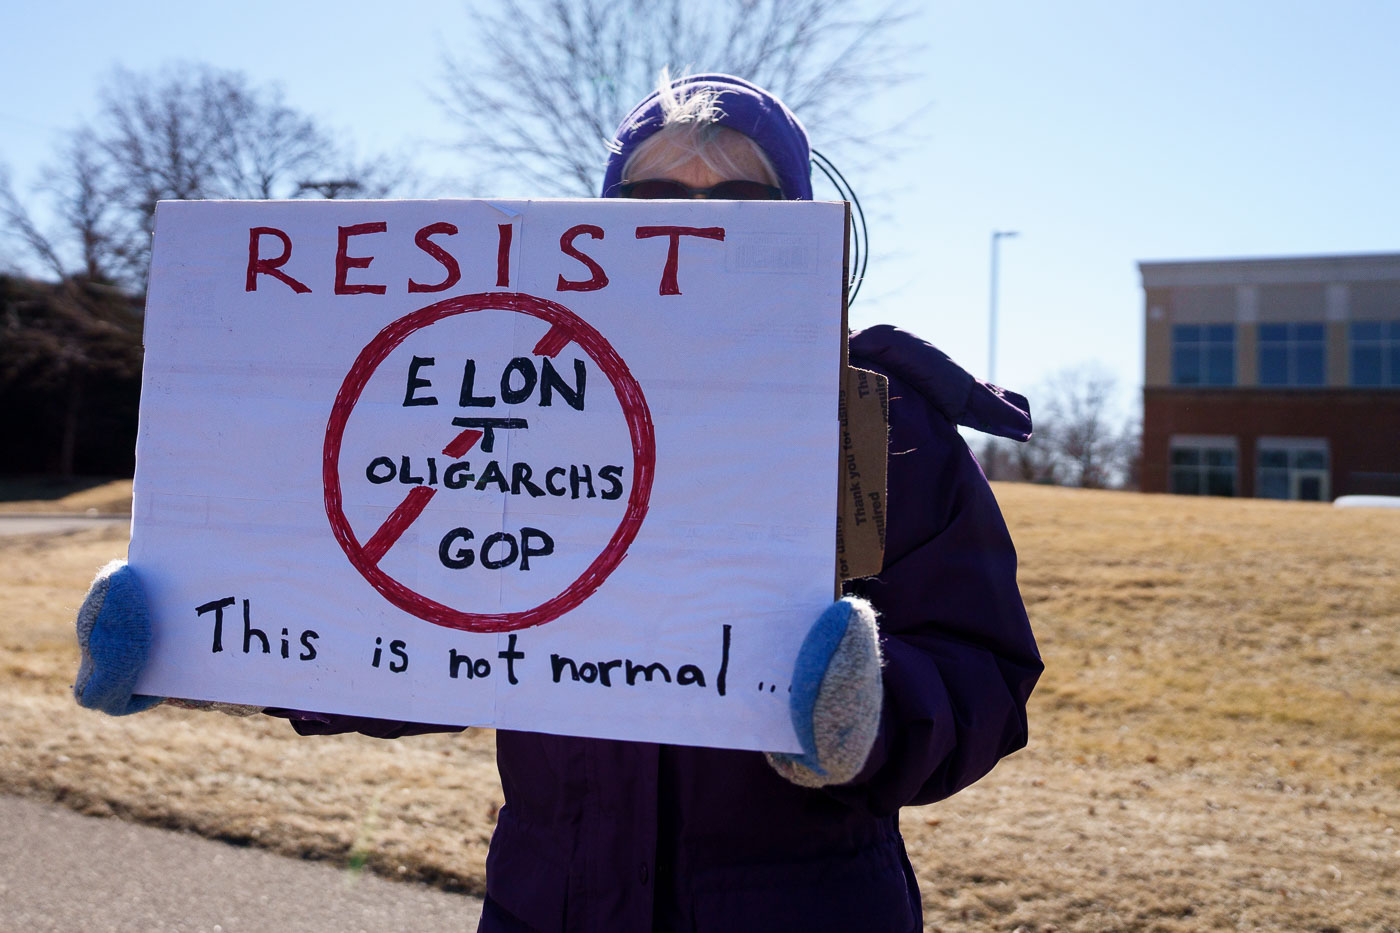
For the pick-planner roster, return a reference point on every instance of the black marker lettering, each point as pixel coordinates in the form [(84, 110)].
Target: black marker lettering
[(605, 668), (467, 398), (463, 556), (610, 474), (396, 648), (558, 662), (526, 368), (647, 670), (249, 633), (527, 551), (493, 474), (496, 564), (551, 381), (520, 476), (375, 471), (217, 607), (581, 477), (415, 383), (690, 674), (458, 475), (510, 655), (724, 662), (406, 475)]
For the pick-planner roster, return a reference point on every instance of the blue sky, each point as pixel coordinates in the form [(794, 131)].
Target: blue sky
[(1104, 132)]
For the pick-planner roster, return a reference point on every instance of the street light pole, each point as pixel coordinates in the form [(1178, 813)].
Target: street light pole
[(992, 312)]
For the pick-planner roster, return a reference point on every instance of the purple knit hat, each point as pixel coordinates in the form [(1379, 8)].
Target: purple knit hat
[(743, 107)]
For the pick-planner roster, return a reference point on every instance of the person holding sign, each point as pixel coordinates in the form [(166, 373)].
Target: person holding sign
[(909, 688)]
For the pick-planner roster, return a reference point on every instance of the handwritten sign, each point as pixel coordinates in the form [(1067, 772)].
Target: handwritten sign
[(564, 466)]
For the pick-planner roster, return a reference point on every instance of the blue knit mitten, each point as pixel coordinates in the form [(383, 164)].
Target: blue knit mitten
[(836, 697), (114, 633)]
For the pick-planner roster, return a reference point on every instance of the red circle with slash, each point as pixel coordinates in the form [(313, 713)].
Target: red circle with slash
[(564, 328)]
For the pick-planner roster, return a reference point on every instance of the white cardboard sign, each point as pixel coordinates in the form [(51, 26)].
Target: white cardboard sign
[(562, 466)]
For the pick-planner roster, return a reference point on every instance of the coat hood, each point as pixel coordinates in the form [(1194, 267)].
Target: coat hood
[(744, 107)]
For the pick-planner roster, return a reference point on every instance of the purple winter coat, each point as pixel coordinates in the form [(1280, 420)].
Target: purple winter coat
[(629, 837)]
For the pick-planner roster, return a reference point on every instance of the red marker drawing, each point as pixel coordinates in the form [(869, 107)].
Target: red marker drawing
[(565, 328)]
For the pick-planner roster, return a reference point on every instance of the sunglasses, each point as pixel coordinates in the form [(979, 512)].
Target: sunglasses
[(651, 189)]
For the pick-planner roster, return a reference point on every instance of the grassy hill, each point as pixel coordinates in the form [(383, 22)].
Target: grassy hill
[(51, 496), (1215, 743)]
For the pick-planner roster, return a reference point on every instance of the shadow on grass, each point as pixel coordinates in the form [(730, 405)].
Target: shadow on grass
[(46, 488)]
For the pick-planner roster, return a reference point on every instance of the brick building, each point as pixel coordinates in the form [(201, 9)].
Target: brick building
[(1276, 378)]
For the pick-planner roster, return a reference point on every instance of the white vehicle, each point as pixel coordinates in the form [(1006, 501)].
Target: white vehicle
[(1380, 502)]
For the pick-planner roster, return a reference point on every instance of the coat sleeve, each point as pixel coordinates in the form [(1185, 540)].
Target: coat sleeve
[(959, 657)]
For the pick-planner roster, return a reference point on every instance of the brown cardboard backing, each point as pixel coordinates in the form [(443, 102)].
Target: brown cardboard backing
[(864, 411), (860, 516)]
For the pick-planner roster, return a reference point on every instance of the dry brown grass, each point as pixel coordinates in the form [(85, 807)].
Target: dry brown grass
[(1215, 744), (41, 495)]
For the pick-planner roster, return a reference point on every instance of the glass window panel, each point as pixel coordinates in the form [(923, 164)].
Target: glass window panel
[(1366, 330), (1220, 482), (1186, 366), (1220, 333), (1220, 366), (1310, 459), (1186, 456), (1393, 328), (1310, 488), (1273, 484), (1311, 367), (1309, 332), (1273, 332), (1186, 333), (1366, 366), (1273, 366), (1273, 457), (1219, 457), (1393, 378), (1186, 482)]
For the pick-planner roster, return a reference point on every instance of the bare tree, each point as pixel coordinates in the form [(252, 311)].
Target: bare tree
[(1035, 461), (183, 132), (58, 340), (547, 81), (70, 351), (1032, 461), (1081, 427)]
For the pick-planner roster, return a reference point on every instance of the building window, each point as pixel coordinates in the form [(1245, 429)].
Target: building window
[(1203, 355), (1293, 468), (1375, 353), (1292, 355), (1202, 467)]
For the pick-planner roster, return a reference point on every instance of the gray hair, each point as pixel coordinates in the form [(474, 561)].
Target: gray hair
[(690, 128)]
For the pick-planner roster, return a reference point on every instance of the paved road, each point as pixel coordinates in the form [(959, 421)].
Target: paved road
[(63, 872), (54, 524)]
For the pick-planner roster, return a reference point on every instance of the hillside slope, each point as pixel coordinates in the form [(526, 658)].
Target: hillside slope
[(1215, 743)]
